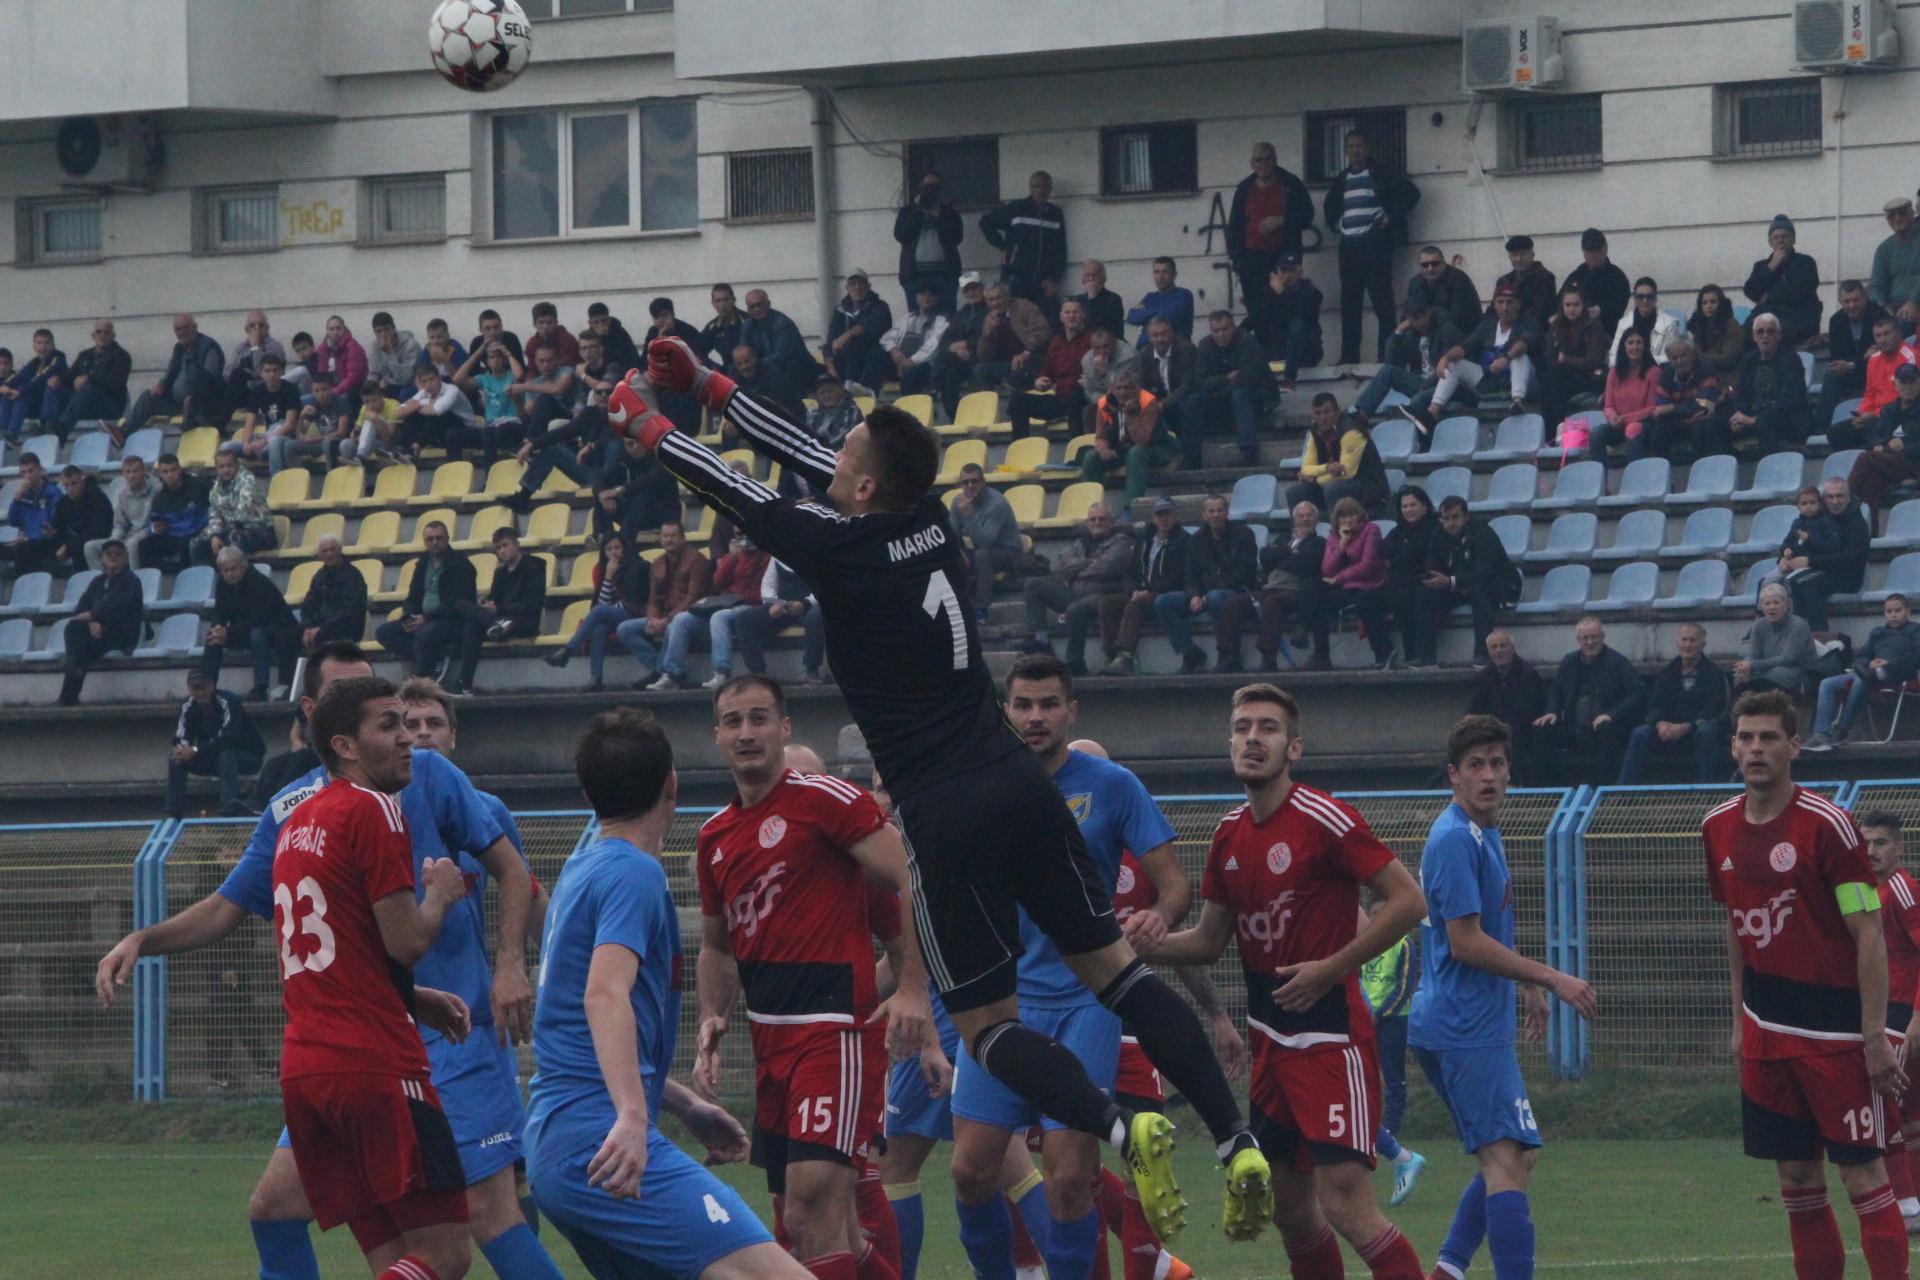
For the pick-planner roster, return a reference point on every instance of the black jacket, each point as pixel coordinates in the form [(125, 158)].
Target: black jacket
[(337, 599), (1516, 697), (1298, 216), (1397, 194), (1606, 289), (1671, 701), (1846, 568), (1406, 548), (1610, 680), (106, 369), (1303, 561), (1170, 573), (1477, 558), (1278, 310), (1896, 417), (1182, 373), (1105, 312), (906, 229), (1214, 362), (1840, 340), (1032, 242), (1792, 292), (458, 584), (117, 603), (251, 602), (621, 352), (1231, 561), (1452, 297), (1539, 298), (83, 520), (520, 593), (874, 317), (222, 724)]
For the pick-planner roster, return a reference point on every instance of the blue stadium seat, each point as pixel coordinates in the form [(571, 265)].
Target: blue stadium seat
[(1639, 533), (1767, 532), (1776, 477), (1395, 479), (1710, 479), (91, 451), (144, 443), (16, 637), (70, 598), (1578, 485), (1513, 488), (1807, 368), (1253, 498), (1563, 589), (1517, 438), (1701, 583), (175, 636), (1593, 420), (1903, 526), (1631, 586), (1514, 533), (149, 584), (44, 447), (1395, 439), (1748, 595), (1454, 440), (1570, 538), (1645, 481), (1903, 575), (1839, 463), (1447, 481), (1708, 532), (1262, 534), (192, 589), (1742, 312), (1384, 526), (31, 591), (1844, 410), (1391, 401)]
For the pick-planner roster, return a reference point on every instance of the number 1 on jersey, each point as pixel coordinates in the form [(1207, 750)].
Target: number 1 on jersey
[(940, 598)]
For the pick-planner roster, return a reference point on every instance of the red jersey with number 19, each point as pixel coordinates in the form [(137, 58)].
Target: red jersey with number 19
[(342, 850), (1787, 885)]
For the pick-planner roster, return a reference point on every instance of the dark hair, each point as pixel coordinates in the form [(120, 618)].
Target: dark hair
[(1265, 692), (752, 680), (1886, 819), (200, 678), (1648, 281), (158, 462), (1325, 397), (1575, 291), (70, 471), (278, 362), (300, 337), (341, 651), (596, 310), (1622, 364), (44, 333), (1219, 315), (419, 689), (1169, 261), (675, 521), (659, 307), (623, 762), (504, 532), (429, 370), (437, 323), (545, 309), (1852, 286), (1700, 325), (30, 456), (1347, 506), (383, 320), (1477, 731), (973, 469), (1885, 317), (342, 710), (1037, 668), (1413, 490), (1415, 310), (1901, 596), (903, 455), (489, 314), (322, 375), (1453, 502), (1769, 702), (6, 353), (372, 387), (718, 285)]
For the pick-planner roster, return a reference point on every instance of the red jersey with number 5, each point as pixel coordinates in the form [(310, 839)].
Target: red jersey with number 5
[(340, 851), (1780, 881), (795, 901), (1293, 884), (1900, 916)]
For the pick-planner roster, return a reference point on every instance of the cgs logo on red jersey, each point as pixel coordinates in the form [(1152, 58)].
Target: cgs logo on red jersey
[(1279, 858), (1764, 924), (772, 831), (1782, 857), (745, 911), (1123, 883), (1269, 924)]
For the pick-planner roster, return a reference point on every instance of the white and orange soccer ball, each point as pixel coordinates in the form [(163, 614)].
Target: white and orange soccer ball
[(479, 45)]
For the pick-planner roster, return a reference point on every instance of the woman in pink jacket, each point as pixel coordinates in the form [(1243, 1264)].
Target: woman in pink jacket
[(343, 356), (1351, 569), (1630, 400)]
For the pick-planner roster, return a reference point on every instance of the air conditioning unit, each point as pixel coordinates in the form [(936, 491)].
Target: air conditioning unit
[(108, 152), (1845, 35), (1497, 57)]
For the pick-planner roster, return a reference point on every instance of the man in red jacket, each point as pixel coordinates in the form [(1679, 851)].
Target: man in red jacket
[(1056, 390)]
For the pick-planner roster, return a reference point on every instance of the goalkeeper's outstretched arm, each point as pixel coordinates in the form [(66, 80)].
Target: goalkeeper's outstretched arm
[(673, 366)]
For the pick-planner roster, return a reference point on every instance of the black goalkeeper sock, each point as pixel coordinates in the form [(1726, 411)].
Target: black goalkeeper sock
[(1049, 1077), (1171, 1036)]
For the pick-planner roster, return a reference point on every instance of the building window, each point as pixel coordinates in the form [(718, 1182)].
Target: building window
[(406, 209), (63, 230), (1773, 118), (969, 169), (1541, 135), (240, 220), (1326, 140), (769, 186), (1149, 159), (593, 8), (595, 171)]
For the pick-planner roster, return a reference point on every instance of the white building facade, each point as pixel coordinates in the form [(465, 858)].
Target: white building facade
[(304, 158)]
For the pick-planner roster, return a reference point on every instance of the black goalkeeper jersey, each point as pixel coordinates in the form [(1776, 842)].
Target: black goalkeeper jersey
[(894, 598)]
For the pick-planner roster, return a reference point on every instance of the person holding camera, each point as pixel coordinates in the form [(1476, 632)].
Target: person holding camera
[(929, 233)]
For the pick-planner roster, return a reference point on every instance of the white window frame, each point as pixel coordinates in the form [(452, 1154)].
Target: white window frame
[(545, 10), (564, 176), (207, 216), (375, 190), (31, 247), (1726, 116)]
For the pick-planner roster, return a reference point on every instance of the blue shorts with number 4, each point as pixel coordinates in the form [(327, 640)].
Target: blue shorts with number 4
[(1483, 1092), (684, 1221), (1088, 1032)]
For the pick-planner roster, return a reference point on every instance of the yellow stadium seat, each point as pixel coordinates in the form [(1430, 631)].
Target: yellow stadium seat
[(332, 522), (374, 573), (402, 584), (1074, 501), (300, 581), (1074, 446), (1027, 501), (579, 583), (570, 619), (547, 526), (392, 487), (652, 553), (977, 410), (415, 544), (948, 496), (198, 446), (1024, 457), (700, 527), (553, 569), (732, 456), (378, 534), (288, 490), (558, 483), (485, 565), (341, 489), (958, 455), (485, 521), (503, 477), (451, 482), (920, 406), (865, 404)]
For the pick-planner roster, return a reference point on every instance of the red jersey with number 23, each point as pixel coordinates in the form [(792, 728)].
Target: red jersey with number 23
[(340, 851), (1781, 882), (1293, 884)]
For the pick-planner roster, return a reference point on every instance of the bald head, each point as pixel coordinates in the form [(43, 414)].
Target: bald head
[(1088, 747), (804, 759)]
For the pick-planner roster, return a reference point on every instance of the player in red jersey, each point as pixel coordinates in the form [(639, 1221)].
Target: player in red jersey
[(372, 1145), (782, 873), (1900, 922), (1284, 875), (1809, 974)]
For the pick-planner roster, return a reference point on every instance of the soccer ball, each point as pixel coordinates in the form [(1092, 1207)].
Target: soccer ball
[(481, 45)]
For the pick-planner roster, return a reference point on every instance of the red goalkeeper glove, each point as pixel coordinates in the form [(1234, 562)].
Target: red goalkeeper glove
[(634, 411), (673, 366)]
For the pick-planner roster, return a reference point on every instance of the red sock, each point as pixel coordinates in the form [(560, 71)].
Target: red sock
[(1817, 1251), (1391, 1256), (1883, 1235), (1111, 1195), (1317, 1258), (408, 1268), (1138, 1244), (1025, 1254), (832, 1266), (876, 1215), (873, 1265)]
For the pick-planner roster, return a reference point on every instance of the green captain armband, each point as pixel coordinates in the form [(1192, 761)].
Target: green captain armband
[(1856, 897)]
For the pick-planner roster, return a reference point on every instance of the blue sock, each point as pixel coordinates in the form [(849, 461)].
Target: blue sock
[(286, 1251), (1037, 1214), (1469, 1227), (910, 1211), (1510, 1235), (986, 1233), (1386, 1144), (517, 1254), (1070, 1246)]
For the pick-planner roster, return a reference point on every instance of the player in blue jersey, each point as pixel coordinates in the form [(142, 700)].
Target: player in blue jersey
[(1115, 813), (1462, 1028), (634, 1206), (476, 1080)]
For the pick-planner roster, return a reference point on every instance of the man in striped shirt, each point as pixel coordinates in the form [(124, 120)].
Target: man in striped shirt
[(1368, 206)]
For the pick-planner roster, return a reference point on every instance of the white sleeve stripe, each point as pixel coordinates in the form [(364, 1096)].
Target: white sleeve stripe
[(1901, 891), (1323, 813), (756, 419), (726, 486), (844, 792), (1842, 821), (1722, 807), (1834, 820)]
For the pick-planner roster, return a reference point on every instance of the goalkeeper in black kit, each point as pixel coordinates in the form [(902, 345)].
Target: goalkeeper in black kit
[(987, 833)]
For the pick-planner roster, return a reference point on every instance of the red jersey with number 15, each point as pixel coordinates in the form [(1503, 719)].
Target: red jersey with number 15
[(795, 901), (1900, 918), (340, 851)]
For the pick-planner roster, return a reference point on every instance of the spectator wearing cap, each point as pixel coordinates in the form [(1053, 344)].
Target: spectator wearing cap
[(989, 531), (213, 737), (1167, 300), (1289, 319), (106, 619), (1603, 284), (929, 233), (1441, 285), (1769, 396), (1531, 282), (1269, 216), (1031, 235), (1849, 346), (1894, 282), (906, 350), (1885, 463), (1786, 284), (1499, 351), (1647, 319), (1159, 568), (959, 350), (855, 330), (1367, 205)]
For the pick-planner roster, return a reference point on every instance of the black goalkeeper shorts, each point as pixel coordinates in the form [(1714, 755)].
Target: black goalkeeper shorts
[(982, 845)]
